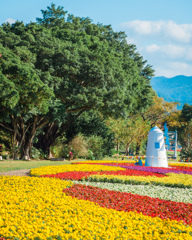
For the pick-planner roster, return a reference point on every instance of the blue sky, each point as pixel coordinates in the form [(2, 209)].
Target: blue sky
[(161, 30)]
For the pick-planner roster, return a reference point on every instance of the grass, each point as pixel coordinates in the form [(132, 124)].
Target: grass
[(171, 154), (8, 165), (169, 160)]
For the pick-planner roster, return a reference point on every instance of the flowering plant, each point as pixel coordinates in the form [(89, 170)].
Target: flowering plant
[(145, 205)]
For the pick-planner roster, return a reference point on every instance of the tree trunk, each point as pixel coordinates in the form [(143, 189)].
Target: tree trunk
[(138, 146), (23, 133), (13, 145), (28, 139), (117, 146), (14, 138), (52, 131), (25, 153), (127, 150), (50, 154), (26, 150), (45, 141)]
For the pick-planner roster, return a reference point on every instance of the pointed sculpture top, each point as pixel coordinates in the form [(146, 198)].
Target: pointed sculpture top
[(155, 129)]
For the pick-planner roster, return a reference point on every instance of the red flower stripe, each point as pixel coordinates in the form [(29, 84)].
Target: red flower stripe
[(70, 175), (132, 172), (120, 201), (79, 175), (183, 168)]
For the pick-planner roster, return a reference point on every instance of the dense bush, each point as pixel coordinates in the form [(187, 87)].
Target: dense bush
[(79, 147)]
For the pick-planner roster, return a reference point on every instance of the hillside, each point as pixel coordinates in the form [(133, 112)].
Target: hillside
[(178, 89)]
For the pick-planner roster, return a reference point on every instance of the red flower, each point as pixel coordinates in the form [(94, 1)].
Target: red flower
[(79, 175), (120, 201)]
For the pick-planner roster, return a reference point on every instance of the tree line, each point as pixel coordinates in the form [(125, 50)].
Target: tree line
[(64, 75)]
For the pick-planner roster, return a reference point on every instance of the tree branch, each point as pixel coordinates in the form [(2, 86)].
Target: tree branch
[(11, 130)]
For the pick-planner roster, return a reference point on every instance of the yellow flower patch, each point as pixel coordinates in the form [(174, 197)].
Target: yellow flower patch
[(37, 207), (172, 179), (181, 164), (70, 168)]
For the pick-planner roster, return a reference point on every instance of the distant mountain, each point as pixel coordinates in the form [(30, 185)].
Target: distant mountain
[(177, 89)]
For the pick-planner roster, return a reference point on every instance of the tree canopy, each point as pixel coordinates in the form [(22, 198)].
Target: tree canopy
[(53, 70)]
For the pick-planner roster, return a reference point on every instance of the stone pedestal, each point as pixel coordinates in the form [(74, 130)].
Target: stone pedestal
[(57, 159)]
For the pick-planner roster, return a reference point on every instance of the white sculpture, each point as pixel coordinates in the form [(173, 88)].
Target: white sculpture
[(156, 153)]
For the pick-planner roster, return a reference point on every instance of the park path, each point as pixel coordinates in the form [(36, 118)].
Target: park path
[(21, 172)]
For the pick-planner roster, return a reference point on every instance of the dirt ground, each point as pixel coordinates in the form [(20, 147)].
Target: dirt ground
[(21, 172)]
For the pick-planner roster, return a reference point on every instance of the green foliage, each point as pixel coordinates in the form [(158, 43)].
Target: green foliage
[(54, 70), (36, 154), (185, 129), (129, 131), (95, 144), (90, 155), (79, 146), (60, 151), (5, 139), (2, 148), (61, 140), (113, 152), (186, 153), (92, 123), (186, 112), (52, 16)]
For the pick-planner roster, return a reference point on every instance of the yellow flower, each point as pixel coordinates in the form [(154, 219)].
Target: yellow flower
[(37, 207), (70, 168)]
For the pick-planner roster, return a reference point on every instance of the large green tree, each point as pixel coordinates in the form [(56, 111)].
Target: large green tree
[(55, 69), (24, 100)]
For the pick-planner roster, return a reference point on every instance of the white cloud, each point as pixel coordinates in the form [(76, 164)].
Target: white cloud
[(171, 69), (163, 30), (153, 48), (166, 45), (171, 51), (189, 54), (181, 65), (143, 27), (10, 20), (132, 41)]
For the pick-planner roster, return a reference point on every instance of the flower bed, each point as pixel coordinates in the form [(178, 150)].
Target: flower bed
[(47, 170), (172, 180), (126, 202), (47, 208), (166, 193), (82, 175), (130, 165), (158, 170)]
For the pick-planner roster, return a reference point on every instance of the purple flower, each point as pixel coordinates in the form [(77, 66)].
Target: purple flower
[(153, 169)]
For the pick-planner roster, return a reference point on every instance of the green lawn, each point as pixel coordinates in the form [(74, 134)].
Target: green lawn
[(171, 154), (8, 165)]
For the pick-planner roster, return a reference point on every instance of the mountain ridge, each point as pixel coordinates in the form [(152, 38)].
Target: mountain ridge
[(175, 89)]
